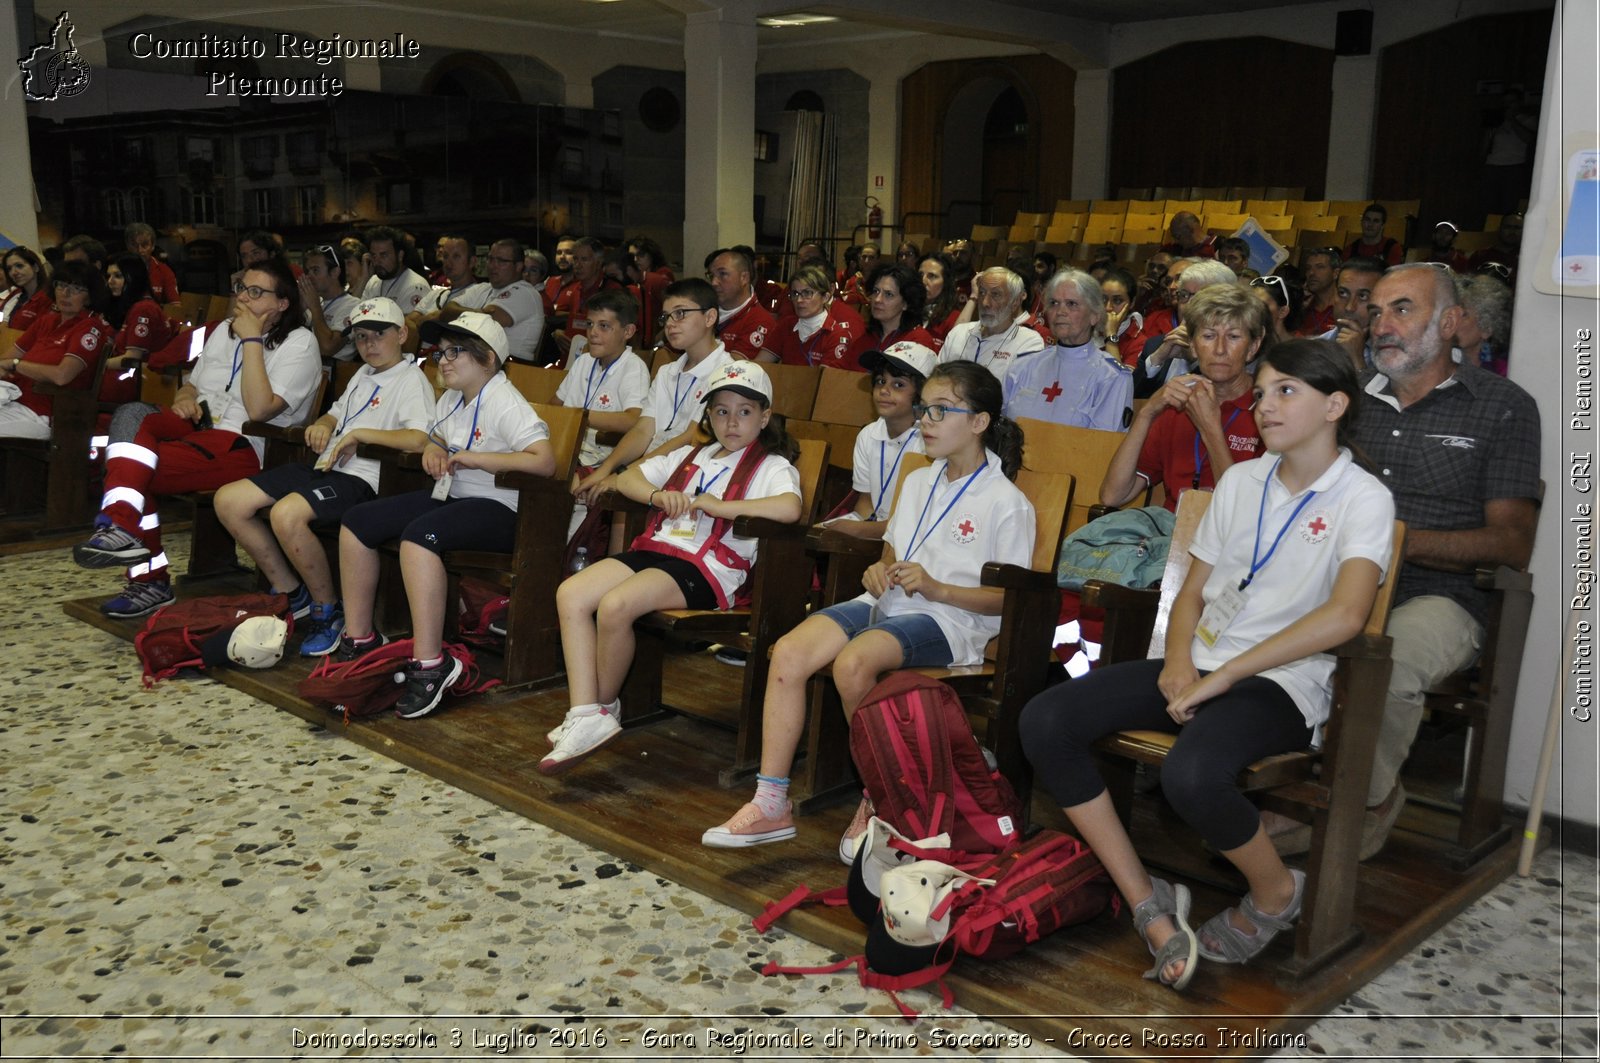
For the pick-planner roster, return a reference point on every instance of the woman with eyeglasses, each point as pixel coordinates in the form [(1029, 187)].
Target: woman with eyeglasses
[(30, 293), (823, 329), (896, 303), (142, 327), (262, 365), (923, 604), (63, 347), (1281, 297)]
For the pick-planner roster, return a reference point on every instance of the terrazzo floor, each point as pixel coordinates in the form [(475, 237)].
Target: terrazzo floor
[(232, 883)]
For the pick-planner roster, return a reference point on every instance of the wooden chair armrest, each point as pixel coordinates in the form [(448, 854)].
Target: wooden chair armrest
[(1502, 578), (1111, 596), (294, 433), (404, 459), (831, 541), (527, 481), (608, 439), (1363, 647), (1100, 509), (1016, 577), (766, 528)]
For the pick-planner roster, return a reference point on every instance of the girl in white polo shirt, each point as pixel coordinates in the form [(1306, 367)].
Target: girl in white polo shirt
[(688, 556), (1287, 561), (897, 378), (481, 426), (923, 604)]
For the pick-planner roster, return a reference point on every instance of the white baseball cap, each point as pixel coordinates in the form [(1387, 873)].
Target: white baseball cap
[(470, 323), (907, 355), (259, 641), (747, 378), (376, 313)]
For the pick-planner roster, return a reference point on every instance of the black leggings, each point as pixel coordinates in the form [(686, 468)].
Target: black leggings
[(1256, 718)]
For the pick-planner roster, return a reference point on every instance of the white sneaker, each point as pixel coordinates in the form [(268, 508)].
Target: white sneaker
[(581, 735), (555, 733)]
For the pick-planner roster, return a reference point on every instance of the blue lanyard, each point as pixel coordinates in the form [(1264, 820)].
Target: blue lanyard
[(352, 416), (885, 481), (932, 490), (1198, 457), (677, 398), (590, 387), (477, 405), (1261, 511), (703, 486), (238, 360)]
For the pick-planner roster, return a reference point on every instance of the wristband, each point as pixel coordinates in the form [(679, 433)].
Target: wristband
[(252, 339), (653, 494)]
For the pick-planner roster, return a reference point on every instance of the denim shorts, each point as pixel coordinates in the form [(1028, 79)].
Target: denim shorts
[(922, 644)]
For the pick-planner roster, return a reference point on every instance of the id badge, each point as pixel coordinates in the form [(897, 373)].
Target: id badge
[(324, 460), (441, 487), (683, 527), (1219, 614)]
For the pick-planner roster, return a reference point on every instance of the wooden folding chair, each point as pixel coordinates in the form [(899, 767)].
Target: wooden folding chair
[(51, 476)]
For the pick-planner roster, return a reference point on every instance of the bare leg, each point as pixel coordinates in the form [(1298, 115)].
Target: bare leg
[(358, 575), (427, 586), (856, 671), (291, 523), (577, 601), (239, 507), (644, 592), (1097, 824), (796, 657), (1271, 885)]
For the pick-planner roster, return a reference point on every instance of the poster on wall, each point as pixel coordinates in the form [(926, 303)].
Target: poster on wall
[(1569, 259)]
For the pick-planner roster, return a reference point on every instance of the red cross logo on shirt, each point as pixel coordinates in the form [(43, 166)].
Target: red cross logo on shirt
[(374, 402), (1318, 526), (604, 401), (477, 435), (1052, 392), (966, 527)]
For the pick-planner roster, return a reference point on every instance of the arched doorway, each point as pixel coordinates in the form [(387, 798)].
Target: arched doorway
[(989, 158)]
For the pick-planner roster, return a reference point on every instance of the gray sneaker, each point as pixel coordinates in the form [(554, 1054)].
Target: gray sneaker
[(110, 547), (139, 599)]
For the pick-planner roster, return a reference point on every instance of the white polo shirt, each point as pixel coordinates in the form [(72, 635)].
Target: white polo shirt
[(1350, 515), (394, 400), (616, 388), (294, 369), (336, 313), (966, 343), (876, 463), (472, 296), (678, 396), (499, 421), (526, 309), (407, 288), (1080, 386), (991, 521), (773, 477)]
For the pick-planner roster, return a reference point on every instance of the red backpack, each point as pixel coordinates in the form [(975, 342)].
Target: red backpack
[(988, 908), (172, 638), (373, 682), (924, 771)]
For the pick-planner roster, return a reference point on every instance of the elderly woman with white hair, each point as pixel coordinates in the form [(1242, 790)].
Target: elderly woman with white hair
[(1073, 382), (1485, 329)]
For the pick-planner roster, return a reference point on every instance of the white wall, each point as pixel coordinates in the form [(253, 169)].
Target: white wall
[(1542, 361)]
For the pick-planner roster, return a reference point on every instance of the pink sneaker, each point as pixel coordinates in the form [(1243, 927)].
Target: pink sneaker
[(749, 827), (852, 834)]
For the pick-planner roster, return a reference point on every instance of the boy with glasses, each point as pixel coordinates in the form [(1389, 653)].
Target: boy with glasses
[(273, 514), (676, 400)]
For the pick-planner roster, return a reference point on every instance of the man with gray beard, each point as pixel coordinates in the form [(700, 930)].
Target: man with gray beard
[(1459, 448), (1001, 333)]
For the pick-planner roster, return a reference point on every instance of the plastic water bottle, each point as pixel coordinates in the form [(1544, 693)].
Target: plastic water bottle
[(580, 560)]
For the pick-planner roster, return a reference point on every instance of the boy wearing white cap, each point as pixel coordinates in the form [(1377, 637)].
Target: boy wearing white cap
[(271, 514), (480, 426), (898, 374)]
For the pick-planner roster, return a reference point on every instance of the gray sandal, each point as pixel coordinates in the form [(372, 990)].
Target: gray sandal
[(1229, 944), (1167, 899)]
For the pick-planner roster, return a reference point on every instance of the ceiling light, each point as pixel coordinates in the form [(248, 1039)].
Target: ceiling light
[(784, 21)]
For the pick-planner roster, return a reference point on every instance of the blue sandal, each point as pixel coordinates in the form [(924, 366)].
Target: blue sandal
[(1222, 942), (1167, 899)]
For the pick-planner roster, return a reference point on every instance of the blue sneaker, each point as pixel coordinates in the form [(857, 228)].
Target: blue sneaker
[(323, 626), (110, 547), (139, 599), (299, 602)]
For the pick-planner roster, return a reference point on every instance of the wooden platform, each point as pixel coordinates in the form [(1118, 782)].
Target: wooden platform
[(649, 794)]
